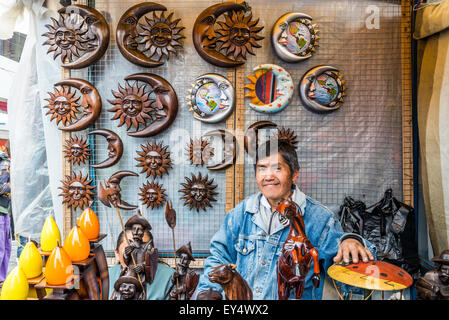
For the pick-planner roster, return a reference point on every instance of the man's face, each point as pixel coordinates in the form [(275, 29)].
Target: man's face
[(274, 178), (444, 276)]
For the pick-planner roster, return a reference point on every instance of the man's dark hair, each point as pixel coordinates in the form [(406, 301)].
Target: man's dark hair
[(285, 149)]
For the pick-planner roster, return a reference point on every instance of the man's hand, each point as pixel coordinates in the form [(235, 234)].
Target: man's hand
[(353, 248)]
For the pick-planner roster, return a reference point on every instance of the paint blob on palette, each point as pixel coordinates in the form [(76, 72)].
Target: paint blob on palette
[(270, 88)]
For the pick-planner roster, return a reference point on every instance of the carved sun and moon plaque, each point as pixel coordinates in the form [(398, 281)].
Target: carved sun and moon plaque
[(212, 98), (77, 191), (154, 159), (80, 36), (134, 106), (198, 192), (199, 151), (270, 88), (115, 148), (148, 43), (294, 37), (236, 36), (110, 193), (64, 107), (322, 89)]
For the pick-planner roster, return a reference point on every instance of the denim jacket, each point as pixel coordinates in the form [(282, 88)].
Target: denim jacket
[(243, 240)]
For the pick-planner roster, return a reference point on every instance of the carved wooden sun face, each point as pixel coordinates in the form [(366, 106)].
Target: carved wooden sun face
[(198, 192), (66, 37), (76, 150), (160, 36), (199, 151), (154, 159), (77, 191), (152, 194), (132, 105), (239, 34), (288, 135), (63, 105)]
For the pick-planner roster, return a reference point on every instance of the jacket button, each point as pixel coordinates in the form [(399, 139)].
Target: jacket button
[(244, 250), (264, 233), (257, 290), (263, 262)]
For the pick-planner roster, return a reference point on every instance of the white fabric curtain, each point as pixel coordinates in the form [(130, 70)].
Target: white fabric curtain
[(35, 145)]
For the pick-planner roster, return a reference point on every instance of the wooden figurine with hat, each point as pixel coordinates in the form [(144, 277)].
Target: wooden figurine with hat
[(143, 253), (184, 280), (434, 285), (128, 287)]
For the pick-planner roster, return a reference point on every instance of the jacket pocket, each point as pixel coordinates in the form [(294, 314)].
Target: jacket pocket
[(245, 246)]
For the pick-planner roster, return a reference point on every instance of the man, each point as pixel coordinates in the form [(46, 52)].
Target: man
[(5, 211), (251, 235), (162, 279)]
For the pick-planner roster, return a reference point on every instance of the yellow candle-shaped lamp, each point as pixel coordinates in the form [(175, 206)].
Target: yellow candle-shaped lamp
[(77, 245), (58, 269), (89, 224), (50, 235), (30, 261), (15, 286)]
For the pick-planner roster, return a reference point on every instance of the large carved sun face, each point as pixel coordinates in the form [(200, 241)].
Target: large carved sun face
[(239, 34), (132, 105), (66, 37), (198, 192), (154, 159), (152, 194), (160, 35), (63, 105), (77, 191), (76, 150)]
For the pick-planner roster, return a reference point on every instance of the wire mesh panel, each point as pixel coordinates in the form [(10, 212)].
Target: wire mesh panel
[(354, 151)]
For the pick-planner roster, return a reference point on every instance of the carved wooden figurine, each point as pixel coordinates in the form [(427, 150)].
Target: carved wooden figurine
[(434, 285), (154, 159), (110, 193), (234, 286), (77, 190), (185, 280), (127, 287), (297, 254), (144, 253)]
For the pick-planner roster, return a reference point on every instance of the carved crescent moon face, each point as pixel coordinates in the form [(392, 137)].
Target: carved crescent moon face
[(115, 147), (126, 34), (204, 37), (229, 149), (294, 37), (110, 194), (166, 104), (251, 139), (87, 40), (91, 101), (212, 98), (322, 89), (271, 88)]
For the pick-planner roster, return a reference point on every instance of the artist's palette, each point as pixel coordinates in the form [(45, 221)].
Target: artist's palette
[(372, 275)]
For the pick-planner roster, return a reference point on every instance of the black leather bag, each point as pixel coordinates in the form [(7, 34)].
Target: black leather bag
[(351, 215)]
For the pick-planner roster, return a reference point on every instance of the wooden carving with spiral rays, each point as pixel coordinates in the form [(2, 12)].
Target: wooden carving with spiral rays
[(154, 159), (77, 191), (62, 105), (199, 151), (152, 194), (160, 35), (286, 134), (198, 192), (76, 150), (238, 34)]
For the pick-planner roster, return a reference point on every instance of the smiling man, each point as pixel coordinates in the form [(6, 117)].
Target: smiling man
[(252, 236)]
